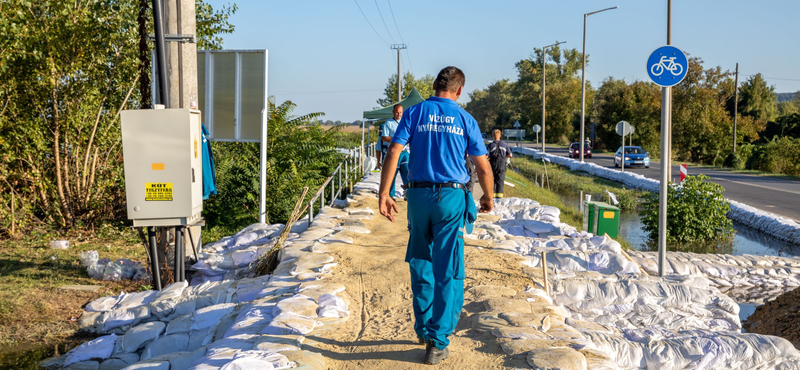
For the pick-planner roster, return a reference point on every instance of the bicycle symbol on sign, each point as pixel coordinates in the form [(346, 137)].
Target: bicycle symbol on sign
[(668, 64)]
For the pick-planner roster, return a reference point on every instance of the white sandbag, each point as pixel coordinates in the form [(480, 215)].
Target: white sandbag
[(200, 338), (120, 317), (258, 360), (140, 335), (184, 360), (155, 365), (165, 345), (136, 299), (85, 365), (119, 361), (287, 324), (298, 305), (336, 238), (366, 211), (332, 306), (97, 349), (103, 304), (171, 291), (210, 316)]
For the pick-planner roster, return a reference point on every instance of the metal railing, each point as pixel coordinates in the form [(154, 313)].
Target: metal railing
[(346, 172)]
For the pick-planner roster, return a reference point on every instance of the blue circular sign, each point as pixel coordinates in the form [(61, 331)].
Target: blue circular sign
[(667, 66)]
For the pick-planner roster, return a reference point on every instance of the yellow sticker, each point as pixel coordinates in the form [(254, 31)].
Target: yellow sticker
[(606, 214), (158, 191), (195, 147)]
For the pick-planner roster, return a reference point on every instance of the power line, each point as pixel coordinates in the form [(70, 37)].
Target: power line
[(384, 21), (369, 23), (396, 27), (326, 92), (395, 21), (777, 78)]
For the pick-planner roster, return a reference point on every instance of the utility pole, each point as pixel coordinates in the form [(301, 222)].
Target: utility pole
[(735, 106), (182, 62), (398, 47)]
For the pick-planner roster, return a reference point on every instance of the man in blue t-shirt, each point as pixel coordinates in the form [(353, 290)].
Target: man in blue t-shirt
[(438, 132), (387, 132)]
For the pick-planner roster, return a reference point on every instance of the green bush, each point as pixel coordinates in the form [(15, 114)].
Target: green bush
[(734, 161), (299, 154), (696, 212), (780, 155)]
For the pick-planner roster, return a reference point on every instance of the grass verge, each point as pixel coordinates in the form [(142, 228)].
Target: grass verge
[(34, 310), (566, 182)]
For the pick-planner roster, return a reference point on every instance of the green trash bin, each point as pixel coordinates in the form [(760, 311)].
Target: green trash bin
[(601, 218)]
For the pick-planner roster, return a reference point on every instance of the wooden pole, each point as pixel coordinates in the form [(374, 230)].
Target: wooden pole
[(544, 273)]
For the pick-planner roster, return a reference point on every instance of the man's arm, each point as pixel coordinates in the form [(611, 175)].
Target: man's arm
[(485, 178), (385, 202), (387, 139)]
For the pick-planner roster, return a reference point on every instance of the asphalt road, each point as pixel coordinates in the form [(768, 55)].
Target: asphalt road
[(776, 195)]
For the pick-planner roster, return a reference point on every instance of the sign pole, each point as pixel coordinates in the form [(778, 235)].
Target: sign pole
[(622, 155), (664, 185)]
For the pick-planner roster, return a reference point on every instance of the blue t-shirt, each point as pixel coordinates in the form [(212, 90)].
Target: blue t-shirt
[(388, 128), (439, 132)]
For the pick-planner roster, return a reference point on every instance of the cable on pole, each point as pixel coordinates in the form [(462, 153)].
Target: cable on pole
[(384, 21)]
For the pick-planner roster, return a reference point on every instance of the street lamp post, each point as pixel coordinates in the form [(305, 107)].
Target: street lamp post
[(583, 76), (544, 84)]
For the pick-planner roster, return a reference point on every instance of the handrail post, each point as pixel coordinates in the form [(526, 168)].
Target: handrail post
[(340, 180), (322, 197), (333, 184)]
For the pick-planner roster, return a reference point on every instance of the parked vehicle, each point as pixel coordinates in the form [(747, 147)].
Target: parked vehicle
[(574, 151), (634, 156)]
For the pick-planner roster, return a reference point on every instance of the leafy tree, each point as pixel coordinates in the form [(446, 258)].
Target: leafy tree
[(66, 70), (211, 24), (494, 106), (299, 153), (424, 86), (638, 103), (696, 213), (757, 99)]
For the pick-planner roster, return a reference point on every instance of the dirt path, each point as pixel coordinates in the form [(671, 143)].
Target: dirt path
[(379, 333)]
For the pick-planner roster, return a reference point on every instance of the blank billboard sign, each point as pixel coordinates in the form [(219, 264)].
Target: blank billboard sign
[(233, 93)]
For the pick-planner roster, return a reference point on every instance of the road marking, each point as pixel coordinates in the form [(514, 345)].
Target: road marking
[(758, 186)]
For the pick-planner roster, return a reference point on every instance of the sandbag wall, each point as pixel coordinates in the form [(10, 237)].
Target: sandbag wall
[(226, 318), (610, 313)]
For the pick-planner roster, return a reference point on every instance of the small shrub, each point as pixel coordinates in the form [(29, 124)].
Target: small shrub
[(734, 161), (696, 212)]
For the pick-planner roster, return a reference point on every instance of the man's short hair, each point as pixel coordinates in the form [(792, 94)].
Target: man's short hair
[(497, 133), (396, 106), (449, 79)]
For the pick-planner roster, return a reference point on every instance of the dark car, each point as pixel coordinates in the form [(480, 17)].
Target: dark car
[(634, 156), (574, 151)]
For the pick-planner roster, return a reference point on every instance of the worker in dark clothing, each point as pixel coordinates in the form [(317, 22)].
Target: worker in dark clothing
[(499, 152)]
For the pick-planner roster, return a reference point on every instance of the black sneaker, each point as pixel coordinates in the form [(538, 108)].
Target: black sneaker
[(434, 355), (420, 340)]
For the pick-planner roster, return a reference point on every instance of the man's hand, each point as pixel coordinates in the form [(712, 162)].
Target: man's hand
[(487, 204), (386, 205)]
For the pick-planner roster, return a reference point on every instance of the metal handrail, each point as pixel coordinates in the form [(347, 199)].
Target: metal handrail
[(352, 164)]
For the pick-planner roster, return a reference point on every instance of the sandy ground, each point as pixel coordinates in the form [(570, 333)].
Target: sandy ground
[(379, 333)]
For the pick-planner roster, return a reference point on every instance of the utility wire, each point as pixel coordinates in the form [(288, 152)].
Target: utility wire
[(326, 92), (395, 21), (369, 23), (396, 27), (384, 22)]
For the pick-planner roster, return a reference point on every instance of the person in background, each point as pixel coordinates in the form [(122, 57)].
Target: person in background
[(440, 209), (380, 148), (499, 152), (387, 131)]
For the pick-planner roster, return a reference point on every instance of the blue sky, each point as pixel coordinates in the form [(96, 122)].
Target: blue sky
[(325, 57)]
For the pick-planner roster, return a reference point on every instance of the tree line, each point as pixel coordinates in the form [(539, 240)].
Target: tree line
[(702, 109), (66, 71)]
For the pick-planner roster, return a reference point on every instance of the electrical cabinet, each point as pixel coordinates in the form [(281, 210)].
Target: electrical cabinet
[(163, 156)]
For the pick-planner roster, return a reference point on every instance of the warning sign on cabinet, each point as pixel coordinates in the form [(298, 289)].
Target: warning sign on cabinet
[(158, 191)]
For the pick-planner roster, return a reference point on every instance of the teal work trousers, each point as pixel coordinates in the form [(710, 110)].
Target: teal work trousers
[(435, 256)]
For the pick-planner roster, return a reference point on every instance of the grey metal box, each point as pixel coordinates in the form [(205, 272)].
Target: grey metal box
[(162, 149)]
